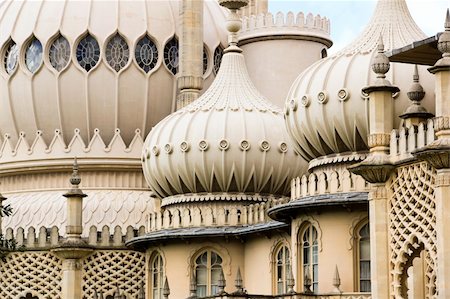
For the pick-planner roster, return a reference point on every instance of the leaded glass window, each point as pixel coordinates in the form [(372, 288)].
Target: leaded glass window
[(11, 57), (171, 55), (59, 53), (146, 54), (283, 269), (208, 267), (310, 256), (88, 53), (364, 259), (33, 55), (157, 268), (205, 60), (218, 53), (117, 52)]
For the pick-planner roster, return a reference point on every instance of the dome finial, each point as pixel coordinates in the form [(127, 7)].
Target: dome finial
[(416, 93), (447, 21), (380, 63), (234, 22), (444, 39)]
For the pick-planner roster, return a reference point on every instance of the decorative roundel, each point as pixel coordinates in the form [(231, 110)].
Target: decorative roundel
[(224, 144), (171, 53), (117, 52), (293, 104), (322, 97), (203, 145), (11, 57), (245, 145), (88, 53), (283, 147), (168, 148), (343, 94), (33, 55), (305, 101), (59, 53), (146, 54), (155, 150), (264, 145), (184, 146)]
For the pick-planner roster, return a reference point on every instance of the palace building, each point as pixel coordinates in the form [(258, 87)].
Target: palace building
[(156, 149)]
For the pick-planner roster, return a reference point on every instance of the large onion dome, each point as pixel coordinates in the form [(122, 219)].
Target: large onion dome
[(231, 140), (92, 64), (326, 112)]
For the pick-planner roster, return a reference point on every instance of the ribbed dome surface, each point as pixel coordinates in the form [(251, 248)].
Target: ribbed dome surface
[(44, 95), (326, 112), (230, 140)]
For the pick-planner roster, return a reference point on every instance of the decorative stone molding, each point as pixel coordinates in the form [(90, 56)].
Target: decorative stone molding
[(375, 140), (299, 223), (337, 159), (217, 247), (436, 153), (374, 169), (211, 197)]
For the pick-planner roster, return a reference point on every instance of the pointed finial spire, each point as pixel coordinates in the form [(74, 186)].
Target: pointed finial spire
[(336, 281), (290, 282), (416, 93), (117, 292), (100, 295), (166, 289), (444, 38), (75, 181), (234, 22), (95, 294), (380, 64), (221, 283), (447, 21), (193, 287), (238, 283), (141, 292), (307, 282)]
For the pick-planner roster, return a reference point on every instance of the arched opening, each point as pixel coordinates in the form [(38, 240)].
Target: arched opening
[(309, 257), (157, 276), (282, 269), (324, 53), (207, 270)]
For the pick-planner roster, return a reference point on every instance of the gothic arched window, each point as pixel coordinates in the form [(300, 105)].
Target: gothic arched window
[(364, 258), (310, 256), (146, 54), (282, 269), (157, 272), (208, 267), (117, 52), (171, 57)]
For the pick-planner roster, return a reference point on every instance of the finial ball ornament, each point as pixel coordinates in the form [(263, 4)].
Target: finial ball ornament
[(444, 40), (380, 63)]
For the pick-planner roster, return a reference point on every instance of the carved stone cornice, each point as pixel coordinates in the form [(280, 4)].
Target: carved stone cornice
[(436, 153), (375, 169), (379, 139)]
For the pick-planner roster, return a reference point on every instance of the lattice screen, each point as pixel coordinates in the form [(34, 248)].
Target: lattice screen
[(412, 220), (103, 269), (37, 272)]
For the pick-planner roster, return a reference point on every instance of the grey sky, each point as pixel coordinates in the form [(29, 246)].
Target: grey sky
[(348, 18)]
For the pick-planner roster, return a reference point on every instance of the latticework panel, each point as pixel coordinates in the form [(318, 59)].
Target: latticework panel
[(412, 223), (30, 272), (103, 270)]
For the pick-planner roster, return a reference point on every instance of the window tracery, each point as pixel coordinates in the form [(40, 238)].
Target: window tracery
[(11, 57), (146, 54), (364, 258), (33, 55), (310, 255), (205, 60), (59, 53), (218, 53), (88, 53), (282, 269), (208, 267), (117, 52), (157, 272), (171, 53)]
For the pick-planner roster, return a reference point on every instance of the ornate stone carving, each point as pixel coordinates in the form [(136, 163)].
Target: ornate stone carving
[(375, 169), (436, 153), (380, 139)]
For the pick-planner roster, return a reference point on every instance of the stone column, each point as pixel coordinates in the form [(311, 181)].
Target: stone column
[(437, 154), (376, 169), (190, 81), (71, 279)]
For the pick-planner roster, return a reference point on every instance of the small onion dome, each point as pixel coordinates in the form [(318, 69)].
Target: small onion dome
[(230, 140), (326, 111)]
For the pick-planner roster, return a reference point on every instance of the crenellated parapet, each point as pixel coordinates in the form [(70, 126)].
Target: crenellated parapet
[(211, 215), (288, 25), (16, 157), (45, 238), (327, 180)]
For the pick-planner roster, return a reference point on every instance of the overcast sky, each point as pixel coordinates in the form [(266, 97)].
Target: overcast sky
[(348, 18)]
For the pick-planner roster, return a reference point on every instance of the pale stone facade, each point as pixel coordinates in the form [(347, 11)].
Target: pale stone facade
[(187, 177)]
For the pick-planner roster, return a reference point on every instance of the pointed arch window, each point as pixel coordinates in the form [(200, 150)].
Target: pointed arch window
[(33, 55), (171, 53), (364, 258), (157, 272), (117, 52), (310, 256), (208, 267), (11, 57), (146, 54), (88, 53), (59, 53), (282, 269)]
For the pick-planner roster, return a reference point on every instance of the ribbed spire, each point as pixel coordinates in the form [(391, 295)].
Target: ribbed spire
[(393, 21)]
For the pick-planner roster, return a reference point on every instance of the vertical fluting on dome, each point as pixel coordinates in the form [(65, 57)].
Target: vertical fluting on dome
[(190, 81)]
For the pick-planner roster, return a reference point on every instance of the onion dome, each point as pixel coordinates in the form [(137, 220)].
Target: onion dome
[(230, 142), (326, 111), (90, 65)]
